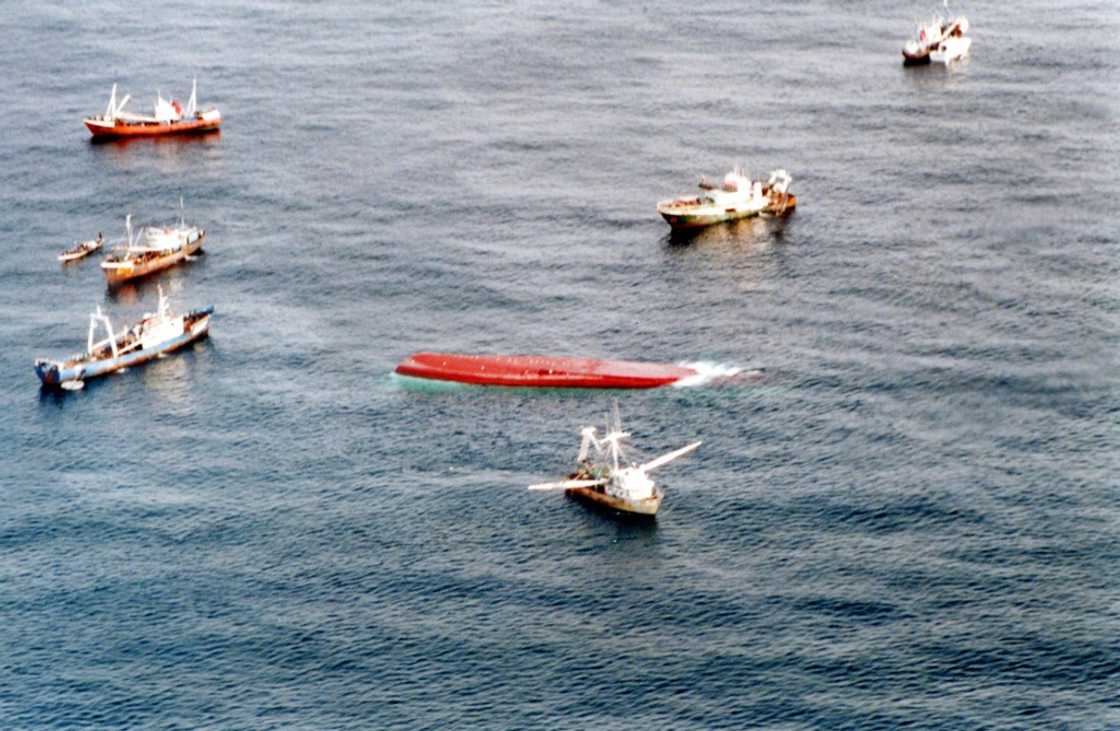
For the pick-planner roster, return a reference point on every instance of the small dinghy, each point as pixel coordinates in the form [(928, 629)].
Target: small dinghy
[(155, 334), (82, 249)]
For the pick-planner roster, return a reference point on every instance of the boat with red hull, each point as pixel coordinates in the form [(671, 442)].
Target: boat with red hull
[(169, 118), (541, 371)]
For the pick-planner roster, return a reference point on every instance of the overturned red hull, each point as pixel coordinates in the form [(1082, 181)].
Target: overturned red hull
[(540, 371)]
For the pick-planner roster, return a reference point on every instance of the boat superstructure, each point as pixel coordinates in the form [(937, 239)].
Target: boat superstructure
[(151, 249), (168, 117), (604, 477), (736, 197), (937, 40), (156, 333)]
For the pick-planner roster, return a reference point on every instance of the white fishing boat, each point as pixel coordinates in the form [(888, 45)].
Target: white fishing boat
[(736, 197), (151, 249), (155, 334), (938, 40), (603, 476)]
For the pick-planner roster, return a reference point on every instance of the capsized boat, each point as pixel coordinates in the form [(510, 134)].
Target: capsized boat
[(938, 40), (82, 249), (541, 371), (151, 249), (736, 197), (604, 477), (168, 118), (156, 333)]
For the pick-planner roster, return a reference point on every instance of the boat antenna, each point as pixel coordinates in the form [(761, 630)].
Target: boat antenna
[(163, 308), (614, 438), (182, 215)]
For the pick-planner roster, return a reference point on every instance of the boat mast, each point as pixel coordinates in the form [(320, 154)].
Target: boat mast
[(192, 105), (588, 434), (111, 110), (614, 439), (95, 318), (164, 309)]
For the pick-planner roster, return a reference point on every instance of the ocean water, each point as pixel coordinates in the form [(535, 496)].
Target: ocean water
[(907, 517)]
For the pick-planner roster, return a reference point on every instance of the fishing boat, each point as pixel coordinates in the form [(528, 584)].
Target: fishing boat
[(168, 118), (954, 44), (603, 477), (736, 197), (939, 40), (151, 249), (155, 334), (540, 371), (81, 249)]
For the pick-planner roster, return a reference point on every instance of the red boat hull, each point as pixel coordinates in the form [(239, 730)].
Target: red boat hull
[(101, 130), (540, 371)]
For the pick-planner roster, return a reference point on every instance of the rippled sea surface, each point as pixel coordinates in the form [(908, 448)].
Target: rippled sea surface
[(909, 518)]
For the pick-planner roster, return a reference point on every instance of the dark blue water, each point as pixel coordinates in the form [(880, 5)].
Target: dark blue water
[(911, 520)]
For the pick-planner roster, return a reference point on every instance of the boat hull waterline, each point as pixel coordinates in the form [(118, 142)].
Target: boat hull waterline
[(118, 129), (646, 506), (52, 375), (680, 219), (540, 371)]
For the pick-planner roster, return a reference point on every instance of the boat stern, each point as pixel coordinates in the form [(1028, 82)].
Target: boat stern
[(48, 371), (782, 205), (914, 54)]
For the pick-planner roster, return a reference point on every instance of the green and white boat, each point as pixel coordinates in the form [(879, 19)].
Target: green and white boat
[(736, 197)]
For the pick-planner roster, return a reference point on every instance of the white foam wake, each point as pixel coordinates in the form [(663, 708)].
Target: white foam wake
[(706, 372)]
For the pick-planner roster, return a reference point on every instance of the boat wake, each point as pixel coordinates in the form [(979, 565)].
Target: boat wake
[(708, 372)]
